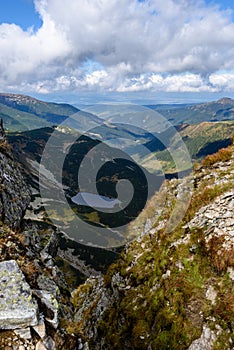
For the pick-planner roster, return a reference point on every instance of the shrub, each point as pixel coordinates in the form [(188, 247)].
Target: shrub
[(223, 155)]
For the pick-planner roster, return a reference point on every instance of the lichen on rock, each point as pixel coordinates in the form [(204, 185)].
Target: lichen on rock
[(17, 307)]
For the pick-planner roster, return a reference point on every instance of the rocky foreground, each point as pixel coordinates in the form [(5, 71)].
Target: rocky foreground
[(35, 307), (172, 288)]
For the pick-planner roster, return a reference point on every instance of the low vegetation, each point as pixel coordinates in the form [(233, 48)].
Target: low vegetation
[(164, 304), (5, 147), (223, 155)]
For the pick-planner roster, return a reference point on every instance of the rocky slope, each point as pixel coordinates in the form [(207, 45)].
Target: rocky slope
[(171, 289), (35, 307), (14, 194)]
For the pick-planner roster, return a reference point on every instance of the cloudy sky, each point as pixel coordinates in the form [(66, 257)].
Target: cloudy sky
[(88, 50)]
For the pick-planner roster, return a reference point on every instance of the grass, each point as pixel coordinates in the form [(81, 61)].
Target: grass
[(164, 305), (223, 155)]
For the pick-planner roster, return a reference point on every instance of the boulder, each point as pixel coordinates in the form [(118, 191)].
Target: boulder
[(17, 307)]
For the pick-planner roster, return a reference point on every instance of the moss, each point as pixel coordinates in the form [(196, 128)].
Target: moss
[(162, 308), (223, 310), (224, 341), (80, 295)]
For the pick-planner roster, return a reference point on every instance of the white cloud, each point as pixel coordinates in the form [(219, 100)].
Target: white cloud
[(22, 53), (174, 83), (170, 45), (224, 81)]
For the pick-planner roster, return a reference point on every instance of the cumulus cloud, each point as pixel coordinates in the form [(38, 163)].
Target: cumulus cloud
[(170, 45), (224, 81), (174, 83)]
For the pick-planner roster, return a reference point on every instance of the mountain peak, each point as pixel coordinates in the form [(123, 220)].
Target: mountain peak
[(17, 98), (225, 100)]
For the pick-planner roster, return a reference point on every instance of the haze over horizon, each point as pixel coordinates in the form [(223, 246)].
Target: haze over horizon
[(128, 51)]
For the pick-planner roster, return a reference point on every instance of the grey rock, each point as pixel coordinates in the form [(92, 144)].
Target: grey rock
[(230, 270), (2, 132), (51, 249), (40, 346), (23, 333), (46, 344), (148, 226), (211, 294), (46, 283), (40, 329), (49, 343), (102, 300), (49, 304), (218, 218), (205, 342), (17, 308)]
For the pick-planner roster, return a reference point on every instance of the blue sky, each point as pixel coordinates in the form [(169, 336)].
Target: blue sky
[(146, 51), (224, 4), (20, 12)]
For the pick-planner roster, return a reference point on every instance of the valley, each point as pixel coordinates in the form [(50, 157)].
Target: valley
[(109, 204)]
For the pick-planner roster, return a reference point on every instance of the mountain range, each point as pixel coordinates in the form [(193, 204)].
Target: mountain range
[(171, 285), (20, 112), (220, 110)]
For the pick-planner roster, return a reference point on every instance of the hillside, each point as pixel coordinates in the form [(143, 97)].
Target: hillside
[(220, 110), (172, 288), (20, 112), (200, 139)]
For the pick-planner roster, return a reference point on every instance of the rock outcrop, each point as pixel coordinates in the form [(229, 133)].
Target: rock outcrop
[(14, 193)]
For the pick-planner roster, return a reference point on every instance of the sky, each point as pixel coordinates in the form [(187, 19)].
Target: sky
[(148, 51)]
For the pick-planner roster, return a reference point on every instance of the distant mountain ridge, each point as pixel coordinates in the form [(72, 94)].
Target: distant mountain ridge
[(204, 127), (21, 113), (45, 110), (214, 111)]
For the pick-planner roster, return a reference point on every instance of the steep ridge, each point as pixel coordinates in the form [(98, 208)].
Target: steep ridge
[(14, 194), (170, 289), (34, 295)]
